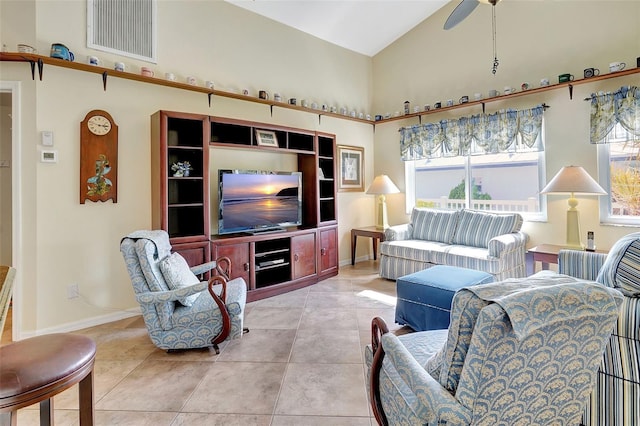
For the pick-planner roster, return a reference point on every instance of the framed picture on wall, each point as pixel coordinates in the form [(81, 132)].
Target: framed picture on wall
[(351, 168), (266, 138)]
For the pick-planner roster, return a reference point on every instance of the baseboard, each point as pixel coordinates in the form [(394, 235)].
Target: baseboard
[(84, 323), (347, 262)]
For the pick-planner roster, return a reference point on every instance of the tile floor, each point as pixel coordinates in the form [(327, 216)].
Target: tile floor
[(301, 364)]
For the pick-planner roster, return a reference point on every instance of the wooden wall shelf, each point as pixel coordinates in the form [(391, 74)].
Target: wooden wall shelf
[(40, 60), (532, 91)]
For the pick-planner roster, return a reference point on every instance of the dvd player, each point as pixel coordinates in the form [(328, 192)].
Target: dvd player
[(271, 262)]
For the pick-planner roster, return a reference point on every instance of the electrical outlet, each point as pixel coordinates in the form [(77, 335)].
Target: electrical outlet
[(73, 292)]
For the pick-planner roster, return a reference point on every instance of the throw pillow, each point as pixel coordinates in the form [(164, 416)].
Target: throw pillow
[(177, 274), (434, 225), (475, 228)]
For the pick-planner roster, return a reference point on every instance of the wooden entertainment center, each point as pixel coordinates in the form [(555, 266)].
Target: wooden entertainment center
[(270, 263)]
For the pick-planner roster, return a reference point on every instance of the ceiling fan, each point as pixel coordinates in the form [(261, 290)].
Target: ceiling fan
[(463, 10)]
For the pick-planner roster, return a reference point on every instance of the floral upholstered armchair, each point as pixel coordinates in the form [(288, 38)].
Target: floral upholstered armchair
[(518, 352), (181, 312), (615, 400)]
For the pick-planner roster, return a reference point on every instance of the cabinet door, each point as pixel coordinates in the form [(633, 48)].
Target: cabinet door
[(303, 255), (328, 249), (240, 256), (194, 253)]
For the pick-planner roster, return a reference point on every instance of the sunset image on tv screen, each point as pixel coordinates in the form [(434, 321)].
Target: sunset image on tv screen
[(259, 200)]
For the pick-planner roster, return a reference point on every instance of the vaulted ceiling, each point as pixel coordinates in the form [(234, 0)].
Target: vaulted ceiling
[(364, 26)]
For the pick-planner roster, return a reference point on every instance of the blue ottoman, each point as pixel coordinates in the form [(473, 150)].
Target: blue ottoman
[(424, 297)]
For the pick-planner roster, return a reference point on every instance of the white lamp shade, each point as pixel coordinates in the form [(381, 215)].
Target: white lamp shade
[(382, 185), (573, 179)]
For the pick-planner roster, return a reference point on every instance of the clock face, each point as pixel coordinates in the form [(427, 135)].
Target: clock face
[(99, 125)]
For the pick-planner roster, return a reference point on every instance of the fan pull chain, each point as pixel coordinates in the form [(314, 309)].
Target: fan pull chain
[(495, 50)]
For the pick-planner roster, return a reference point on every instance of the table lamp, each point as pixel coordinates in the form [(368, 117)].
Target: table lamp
[(382, 185), (573, 180)]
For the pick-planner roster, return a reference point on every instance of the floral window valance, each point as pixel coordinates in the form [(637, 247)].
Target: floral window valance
[(608, 109), (474, 135)]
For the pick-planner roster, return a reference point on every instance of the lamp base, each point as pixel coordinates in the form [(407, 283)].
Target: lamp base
[(573, 229), (381, 213)]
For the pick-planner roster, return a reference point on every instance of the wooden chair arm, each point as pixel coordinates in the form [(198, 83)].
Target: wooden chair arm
[(219, 280), (223, 267), (221, 302), (378, 328)]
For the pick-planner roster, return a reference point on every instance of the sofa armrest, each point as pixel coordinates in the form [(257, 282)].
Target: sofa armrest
[(398, 232), (150, 297), (441, 405), (507, 243), (580, 264)]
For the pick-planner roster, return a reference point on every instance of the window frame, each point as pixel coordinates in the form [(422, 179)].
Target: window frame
[(604, 179), (540, 216)]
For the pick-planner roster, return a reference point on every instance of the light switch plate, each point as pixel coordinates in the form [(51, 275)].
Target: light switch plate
[(48, 156), (47, 138)]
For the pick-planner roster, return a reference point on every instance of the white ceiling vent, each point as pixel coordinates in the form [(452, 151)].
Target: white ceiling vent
[(123, 27)]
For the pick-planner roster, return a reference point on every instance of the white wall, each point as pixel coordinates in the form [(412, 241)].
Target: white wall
[(66, 242), (536, 39)]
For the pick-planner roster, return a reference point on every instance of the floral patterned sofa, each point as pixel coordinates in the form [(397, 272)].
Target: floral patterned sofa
[(518, 352), (484, 241)]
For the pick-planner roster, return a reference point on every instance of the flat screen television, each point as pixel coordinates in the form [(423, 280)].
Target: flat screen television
[(258, 201)]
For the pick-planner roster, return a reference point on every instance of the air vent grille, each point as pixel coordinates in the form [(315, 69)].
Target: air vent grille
[(125, 27)]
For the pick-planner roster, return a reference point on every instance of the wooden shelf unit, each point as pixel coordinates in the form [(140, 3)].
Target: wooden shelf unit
[(180, 205), (227, 132), (270, 263)]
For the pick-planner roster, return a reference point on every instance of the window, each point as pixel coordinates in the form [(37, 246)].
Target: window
[(505, 182), (619, 175), (123, 27)]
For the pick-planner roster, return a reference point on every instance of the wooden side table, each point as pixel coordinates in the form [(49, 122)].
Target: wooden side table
[(546, 254), (370, 231)]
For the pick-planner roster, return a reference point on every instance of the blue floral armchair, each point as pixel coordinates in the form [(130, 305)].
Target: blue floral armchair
[(517, 352), (179, 315), (615, 400)]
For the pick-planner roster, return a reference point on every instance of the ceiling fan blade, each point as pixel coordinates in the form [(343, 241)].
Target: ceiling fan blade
[(461, 11)]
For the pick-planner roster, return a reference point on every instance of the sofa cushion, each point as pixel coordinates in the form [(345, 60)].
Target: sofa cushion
[(469, 257), (434, 225), (442, 254), (477, 228), (419, 250)]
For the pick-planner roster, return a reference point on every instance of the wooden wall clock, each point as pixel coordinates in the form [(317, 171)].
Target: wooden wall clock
[(98, 157)]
